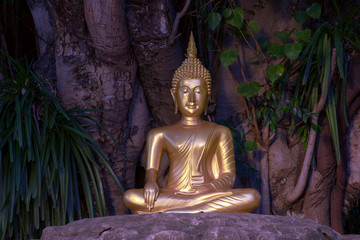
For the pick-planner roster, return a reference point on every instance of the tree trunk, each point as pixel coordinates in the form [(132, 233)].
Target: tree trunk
[(96, 68), (45, 31), (150, 27), (318, 195)]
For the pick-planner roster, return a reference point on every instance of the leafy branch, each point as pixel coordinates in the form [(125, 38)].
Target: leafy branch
[(305, 58)]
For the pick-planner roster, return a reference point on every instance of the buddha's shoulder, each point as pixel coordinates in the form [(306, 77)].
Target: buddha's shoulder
[(160, 130), (220, 129)]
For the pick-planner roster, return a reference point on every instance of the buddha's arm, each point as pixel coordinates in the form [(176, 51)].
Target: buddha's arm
[(154, 149), (226, 161)]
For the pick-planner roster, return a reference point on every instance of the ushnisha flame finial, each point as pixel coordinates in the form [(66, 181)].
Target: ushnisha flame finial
[(191, 50)]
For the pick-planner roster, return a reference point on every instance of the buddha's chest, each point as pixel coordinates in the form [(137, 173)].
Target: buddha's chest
[(187, 153), (184, 140)]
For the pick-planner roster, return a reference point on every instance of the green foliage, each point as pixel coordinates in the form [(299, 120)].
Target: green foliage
[(292, 50), (249, 89), (250, 145), (310, 55), (227, 12), (314, 10), (214, 20), (300, 16), (303, 35), (273, 73), (283, 36), (306, 60), (236, 18), (254, 25), (333, 124), (228, 56), (48, 169), (276, 49)]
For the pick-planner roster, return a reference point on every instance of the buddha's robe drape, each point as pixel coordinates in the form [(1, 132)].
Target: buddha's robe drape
[(206, 157)]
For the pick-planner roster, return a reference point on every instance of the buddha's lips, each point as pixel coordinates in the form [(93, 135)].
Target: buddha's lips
[(190, 106)]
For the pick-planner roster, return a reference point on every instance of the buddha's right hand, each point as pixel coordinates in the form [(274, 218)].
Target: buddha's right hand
[(151, 192)]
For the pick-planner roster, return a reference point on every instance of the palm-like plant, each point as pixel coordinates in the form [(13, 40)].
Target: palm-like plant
[(49, 174)]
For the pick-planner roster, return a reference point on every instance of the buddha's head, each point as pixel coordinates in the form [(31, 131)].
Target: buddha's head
[(191, 85)]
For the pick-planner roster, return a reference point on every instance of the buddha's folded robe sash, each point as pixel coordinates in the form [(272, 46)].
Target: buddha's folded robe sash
[(201, 160)]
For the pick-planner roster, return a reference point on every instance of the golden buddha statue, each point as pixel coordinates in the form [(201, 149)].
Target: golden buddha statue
[(201, 155)]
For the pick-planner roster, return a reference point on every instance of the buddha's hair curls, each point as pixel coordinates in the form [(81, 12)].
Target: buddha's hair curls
[(191, 68)]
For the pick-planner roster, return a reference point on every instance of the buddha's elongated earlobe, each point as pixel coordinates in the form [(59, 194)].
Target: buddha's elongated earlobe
[(175, 102)]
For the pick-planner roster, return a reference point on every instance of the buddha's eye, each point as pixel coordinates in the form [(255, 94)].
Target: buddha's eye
[(197, 90), (185, 90)]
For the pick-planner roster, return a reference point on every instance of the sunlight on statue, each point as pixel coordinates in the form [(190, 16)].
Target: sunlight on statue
[(201, 155)]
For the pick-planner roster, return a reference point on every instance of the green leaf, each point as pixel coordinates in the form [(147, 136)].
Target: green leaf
[(84, 181), (272, 126), (303, 35), (292, 50), (227, 12), (79, 132), (337, 12), (305, 135), (250, 145), (314, 10), (314, 127), (340, 53), (276, 49), (45, 91), (214, 20), (307, 69), (254, 25), (105, 160), (333, 124), (273, 73), (228, 56), (300, 16), (249, 89), (283, 36), (326, 68), (18, 121), (236, 19)]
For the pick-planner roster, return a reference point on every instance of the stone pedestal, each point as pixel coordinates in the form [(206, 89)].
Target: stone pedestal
[(209, 226)]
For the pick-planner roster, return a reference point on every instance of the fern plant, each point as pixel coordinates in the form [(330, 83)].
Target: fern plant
[(49, 173)]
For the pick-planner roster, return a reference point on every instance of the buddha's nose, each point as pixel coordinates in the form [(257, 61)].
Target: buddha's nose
[(192, 98), (191, 102)]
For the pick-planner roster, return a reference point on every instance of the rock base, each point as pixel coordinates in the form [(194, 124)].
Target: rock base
[(192, 226)]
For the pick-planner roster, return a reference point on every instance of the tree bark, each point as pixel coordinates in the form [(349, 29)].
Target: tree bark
[(44, 67), (317, 197), (150, 26)]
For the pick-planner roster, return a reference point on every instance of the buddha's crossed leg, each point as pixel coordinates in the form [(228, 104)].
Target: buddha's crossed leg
[(233, 201)]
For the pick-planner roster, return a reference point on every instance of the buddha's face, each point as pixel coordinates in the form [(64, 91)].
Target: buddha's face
[(191, 96)]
